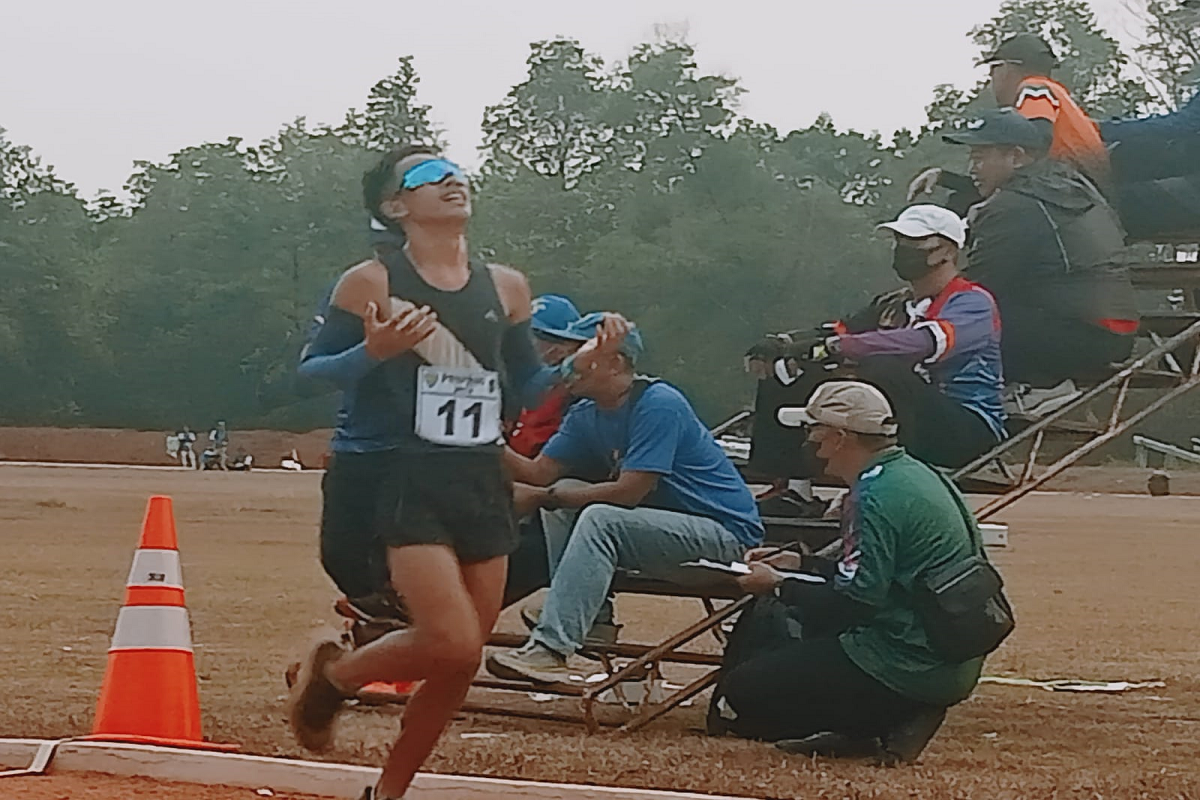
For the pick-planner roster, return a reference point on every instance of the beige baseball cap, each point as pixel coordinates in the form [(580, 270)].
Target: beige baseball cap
[(849, 405)]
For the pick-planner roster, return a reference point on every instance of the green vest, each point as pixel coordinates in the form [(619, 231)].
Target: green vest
[(900, 521)]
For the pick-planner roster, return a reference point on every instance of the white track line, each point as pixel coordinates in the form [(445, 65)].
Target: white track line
[(144, 467), (312, 777)]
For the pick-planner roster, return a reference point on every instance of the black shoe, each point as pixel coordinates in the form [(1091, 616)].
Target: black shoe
[(792, 505), (828, 744), (375, 607), (905, 743)]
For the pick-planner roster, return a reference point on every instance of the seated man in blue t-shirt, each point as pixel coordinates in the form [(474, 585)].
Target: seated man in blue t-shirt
[(673, 497)]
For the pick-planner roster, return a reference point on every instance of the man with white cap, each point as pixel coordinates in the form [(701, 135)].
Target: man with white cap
[(863, 678), (936, 355)]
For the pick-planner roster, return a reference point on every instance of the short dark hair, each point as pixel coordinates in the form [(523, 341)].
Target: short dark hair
[(379, 182)]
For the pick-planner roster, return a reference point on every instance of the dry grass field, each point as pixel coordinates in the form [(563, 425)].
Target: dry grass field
[(1103, 586)]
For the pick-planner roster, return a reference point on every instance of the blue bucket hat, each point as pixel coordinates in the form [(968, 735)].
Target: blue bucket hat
[(585, 328), (553, 315)]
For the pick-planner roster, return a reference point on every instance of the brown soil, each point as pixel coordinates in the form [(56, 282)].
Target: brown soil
[(93, 786), (1103, 586)]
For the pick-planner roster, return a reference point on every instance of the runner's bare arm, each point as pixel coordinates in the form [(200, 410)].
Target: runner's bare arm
[(362, 284), (359, 330), (529, 377), (513, 288)]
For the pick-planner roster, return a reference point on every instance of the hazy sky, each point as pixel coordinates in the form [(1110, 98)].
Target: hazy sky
[(92, 86)]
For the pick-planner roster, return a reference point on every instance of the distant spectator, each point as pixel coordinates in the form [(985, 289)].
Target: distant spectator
[(187, 448), (218, 440)]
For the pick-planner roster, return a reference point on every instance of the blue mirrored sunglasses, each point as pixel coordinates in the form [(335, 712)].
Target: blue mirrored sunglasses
[(433, 171)]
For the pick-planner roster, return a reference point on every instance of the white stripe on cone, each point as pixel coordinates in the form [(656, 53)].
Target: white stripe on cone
[(158, 568), (157, 627)]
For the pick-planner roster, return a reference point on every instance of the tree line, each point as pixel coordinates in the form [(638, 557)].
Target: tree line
[(634, 186)]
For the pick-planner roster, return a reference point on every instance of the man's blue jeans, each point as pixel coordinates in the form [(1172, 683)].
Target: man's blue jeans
[(586, 548)]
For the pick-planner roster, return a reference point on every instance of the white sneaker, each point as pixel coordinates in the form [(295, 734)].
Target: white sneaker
[(1022, 400)]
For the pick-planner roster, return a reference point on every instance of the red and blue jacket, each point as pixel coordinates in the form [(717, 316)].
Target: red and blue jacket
[(955, 339)]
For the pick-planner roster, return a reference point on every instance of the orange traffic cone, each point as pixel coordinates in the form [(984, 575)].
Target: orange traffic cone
[(149, 692)]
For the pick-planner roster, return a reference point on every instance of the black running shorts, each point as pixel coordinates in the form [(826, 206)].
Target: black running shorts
[(373, 501)]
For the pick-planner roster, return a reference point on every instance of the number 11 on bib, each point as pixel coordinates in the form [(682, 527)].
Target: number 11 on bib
[(458, 406)]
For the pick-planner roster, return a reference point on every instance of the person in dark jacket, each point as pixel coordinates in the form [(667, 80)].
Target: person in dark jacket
[(1148, 168), (1048, 247)]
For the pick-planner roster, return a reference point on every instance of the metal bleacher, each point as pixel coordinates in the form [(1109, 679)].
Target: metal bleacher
[(1165, 366)]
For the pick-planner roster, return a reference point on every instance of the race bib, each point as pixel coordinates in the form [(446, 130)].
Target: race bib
[(458, 406)]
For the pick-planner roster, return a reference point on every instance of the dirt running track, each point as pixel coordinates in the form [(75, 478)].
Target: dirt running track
[(1103, 585), (90, 786)]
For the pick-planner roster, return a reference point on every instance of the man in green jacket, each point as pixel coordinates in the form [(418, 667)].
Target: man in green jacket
[(863, 678)]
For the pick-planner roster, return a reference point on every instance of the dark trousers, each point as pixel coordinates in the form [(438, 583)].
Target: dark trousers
[(932, 426), (1043, 349), (806, 687), (357, 562), (775, 450), (529, 565)]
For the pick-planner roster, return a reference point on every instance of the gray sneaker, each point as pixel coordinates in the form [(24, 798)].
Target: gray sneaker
[(532, 662), (1028, 402), (601, 635)]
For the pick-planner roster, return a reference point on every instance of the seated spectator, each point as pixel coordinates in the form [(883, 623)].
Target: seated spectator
[(673, 496), (553, 315), (1147, 167), (553, 318), (1020, 78), (863, 677), (934, 350), (1019, 75), (1048, 246)]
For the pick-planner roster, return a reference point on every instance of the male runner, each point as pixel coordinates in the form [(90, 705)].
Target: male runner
[(422, 341)]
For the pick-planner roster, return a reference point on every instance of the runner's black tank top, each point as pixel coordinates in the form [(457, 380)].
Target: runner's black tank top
[(474, 314)]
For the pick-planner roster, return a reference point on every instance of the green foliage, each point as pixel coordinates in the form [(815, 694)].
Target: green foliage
[(633, 186), (1093, 66), (1170, 49)]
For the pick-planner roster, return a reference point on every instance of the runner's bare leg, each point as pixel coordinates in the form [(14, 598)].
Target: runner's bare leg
[(453, 609)]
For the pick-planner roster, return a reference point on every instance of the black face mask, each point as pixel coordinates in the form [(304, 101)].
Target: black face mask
[(909, 262)]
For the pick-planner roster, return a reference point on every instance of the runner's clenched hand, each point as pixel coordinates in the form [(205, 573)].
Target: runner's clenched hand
[(389, 336)]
